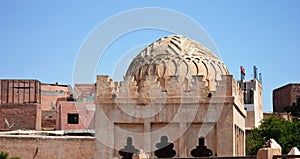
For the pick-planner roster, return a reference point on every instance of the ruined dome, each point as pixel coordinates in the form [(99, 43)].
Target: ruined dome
[(176, 55)]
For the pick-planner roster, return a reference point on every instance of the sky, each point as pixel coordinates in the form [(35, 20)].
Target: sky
[(41, 39)]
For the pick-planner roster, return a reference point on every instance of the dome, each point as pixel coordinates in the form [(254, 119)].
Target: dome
[(176, 55)]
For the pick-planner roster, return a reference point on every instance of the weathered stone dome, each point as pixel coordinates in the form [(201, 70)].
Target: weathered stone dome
[(176, 55)]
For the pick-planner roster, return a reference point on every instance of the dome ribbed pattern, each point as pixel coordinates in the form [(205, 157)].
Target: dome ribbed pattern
[(179, 56)]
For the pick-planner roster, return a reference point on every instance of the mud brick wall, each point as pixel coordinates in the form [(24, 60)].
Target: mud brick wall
[(48, 119), (44, 147), (20, 91), (285, 96), (23, 116)]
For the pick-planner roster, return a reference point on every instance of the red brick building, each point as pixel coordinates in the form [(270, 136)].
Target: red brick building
[(20, 104), (285, 96), (32, 105)]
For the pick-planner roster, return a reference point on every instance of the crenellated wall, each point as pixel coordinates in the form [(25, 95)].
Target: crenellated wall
[(151, 88), (183, 112)]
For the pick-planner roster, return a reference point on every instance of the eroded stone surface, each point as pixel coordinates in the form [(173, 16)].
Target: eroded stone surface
[(179, 56)]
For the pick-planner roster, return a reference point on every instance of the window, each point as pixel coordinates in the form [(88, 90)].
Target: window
[(73, 118), (249, 96)]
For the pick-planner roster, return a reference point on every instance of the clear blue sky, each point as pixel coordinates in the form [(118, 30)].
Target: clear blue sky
[(40, 39)]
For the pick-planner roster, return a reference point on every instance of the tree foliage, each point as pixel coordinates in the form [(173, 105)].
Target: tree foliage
[(286, 133), (294, 109), (4, 155)]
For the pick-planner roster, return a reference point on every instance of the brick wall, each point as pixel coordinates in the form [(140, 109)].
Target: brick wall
[(48, 124), (19, 91), (48, 147), (285, 96), (24, 116), (48, 119)]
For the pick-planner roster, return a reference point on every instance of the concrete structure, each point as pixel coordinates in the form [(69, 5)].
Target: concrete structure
[(252, 102), (174, 93), (285, 96)]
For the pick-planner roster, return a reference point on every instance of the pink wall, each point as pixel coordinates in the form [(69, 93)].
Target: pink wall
[(84, 109)]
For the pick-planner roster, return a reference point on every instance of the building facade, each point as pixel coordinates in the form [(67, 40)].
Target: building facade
[(50, 95), (77, 113), (20, 104), (252, 102), (285, 96), (32, 105), (177, 99)]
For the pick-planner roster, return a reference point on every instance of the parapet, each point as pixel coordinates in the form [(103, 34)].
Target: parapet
[(151, 87)]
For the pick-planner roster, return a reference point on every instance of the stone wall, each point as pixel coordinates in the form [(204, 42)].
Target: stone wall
[(48, 147)]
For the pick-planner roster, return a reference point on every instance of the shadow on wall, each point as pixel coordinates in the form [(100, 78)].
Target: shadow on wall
[(165, 149)]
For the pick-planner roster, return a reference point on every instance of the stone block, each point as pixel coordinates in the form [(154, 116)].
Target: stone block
[(294, 151), (271, 148)]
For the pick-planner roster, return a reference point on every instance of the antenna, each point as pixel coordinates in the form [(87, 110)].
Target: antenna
[(260, 77), (255, 72)]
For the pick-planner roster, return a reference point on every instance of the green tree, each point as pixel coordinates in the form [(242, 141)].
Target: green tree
[(286, 133), (4, 155), (254, 141), (294, 109)]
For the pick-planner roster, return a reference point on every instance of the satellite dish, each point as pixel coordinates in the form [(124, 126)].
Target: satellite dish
[(90, 97), (8, 125), (53, 106), (70, 89), (78, 95)]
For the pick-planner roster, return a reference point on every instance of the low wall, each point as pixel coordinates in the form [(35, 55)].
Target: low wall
[(47, 147)]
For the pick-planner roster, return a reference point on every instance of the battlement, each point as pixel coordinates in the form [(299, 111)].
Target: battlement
[(151, 88)]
